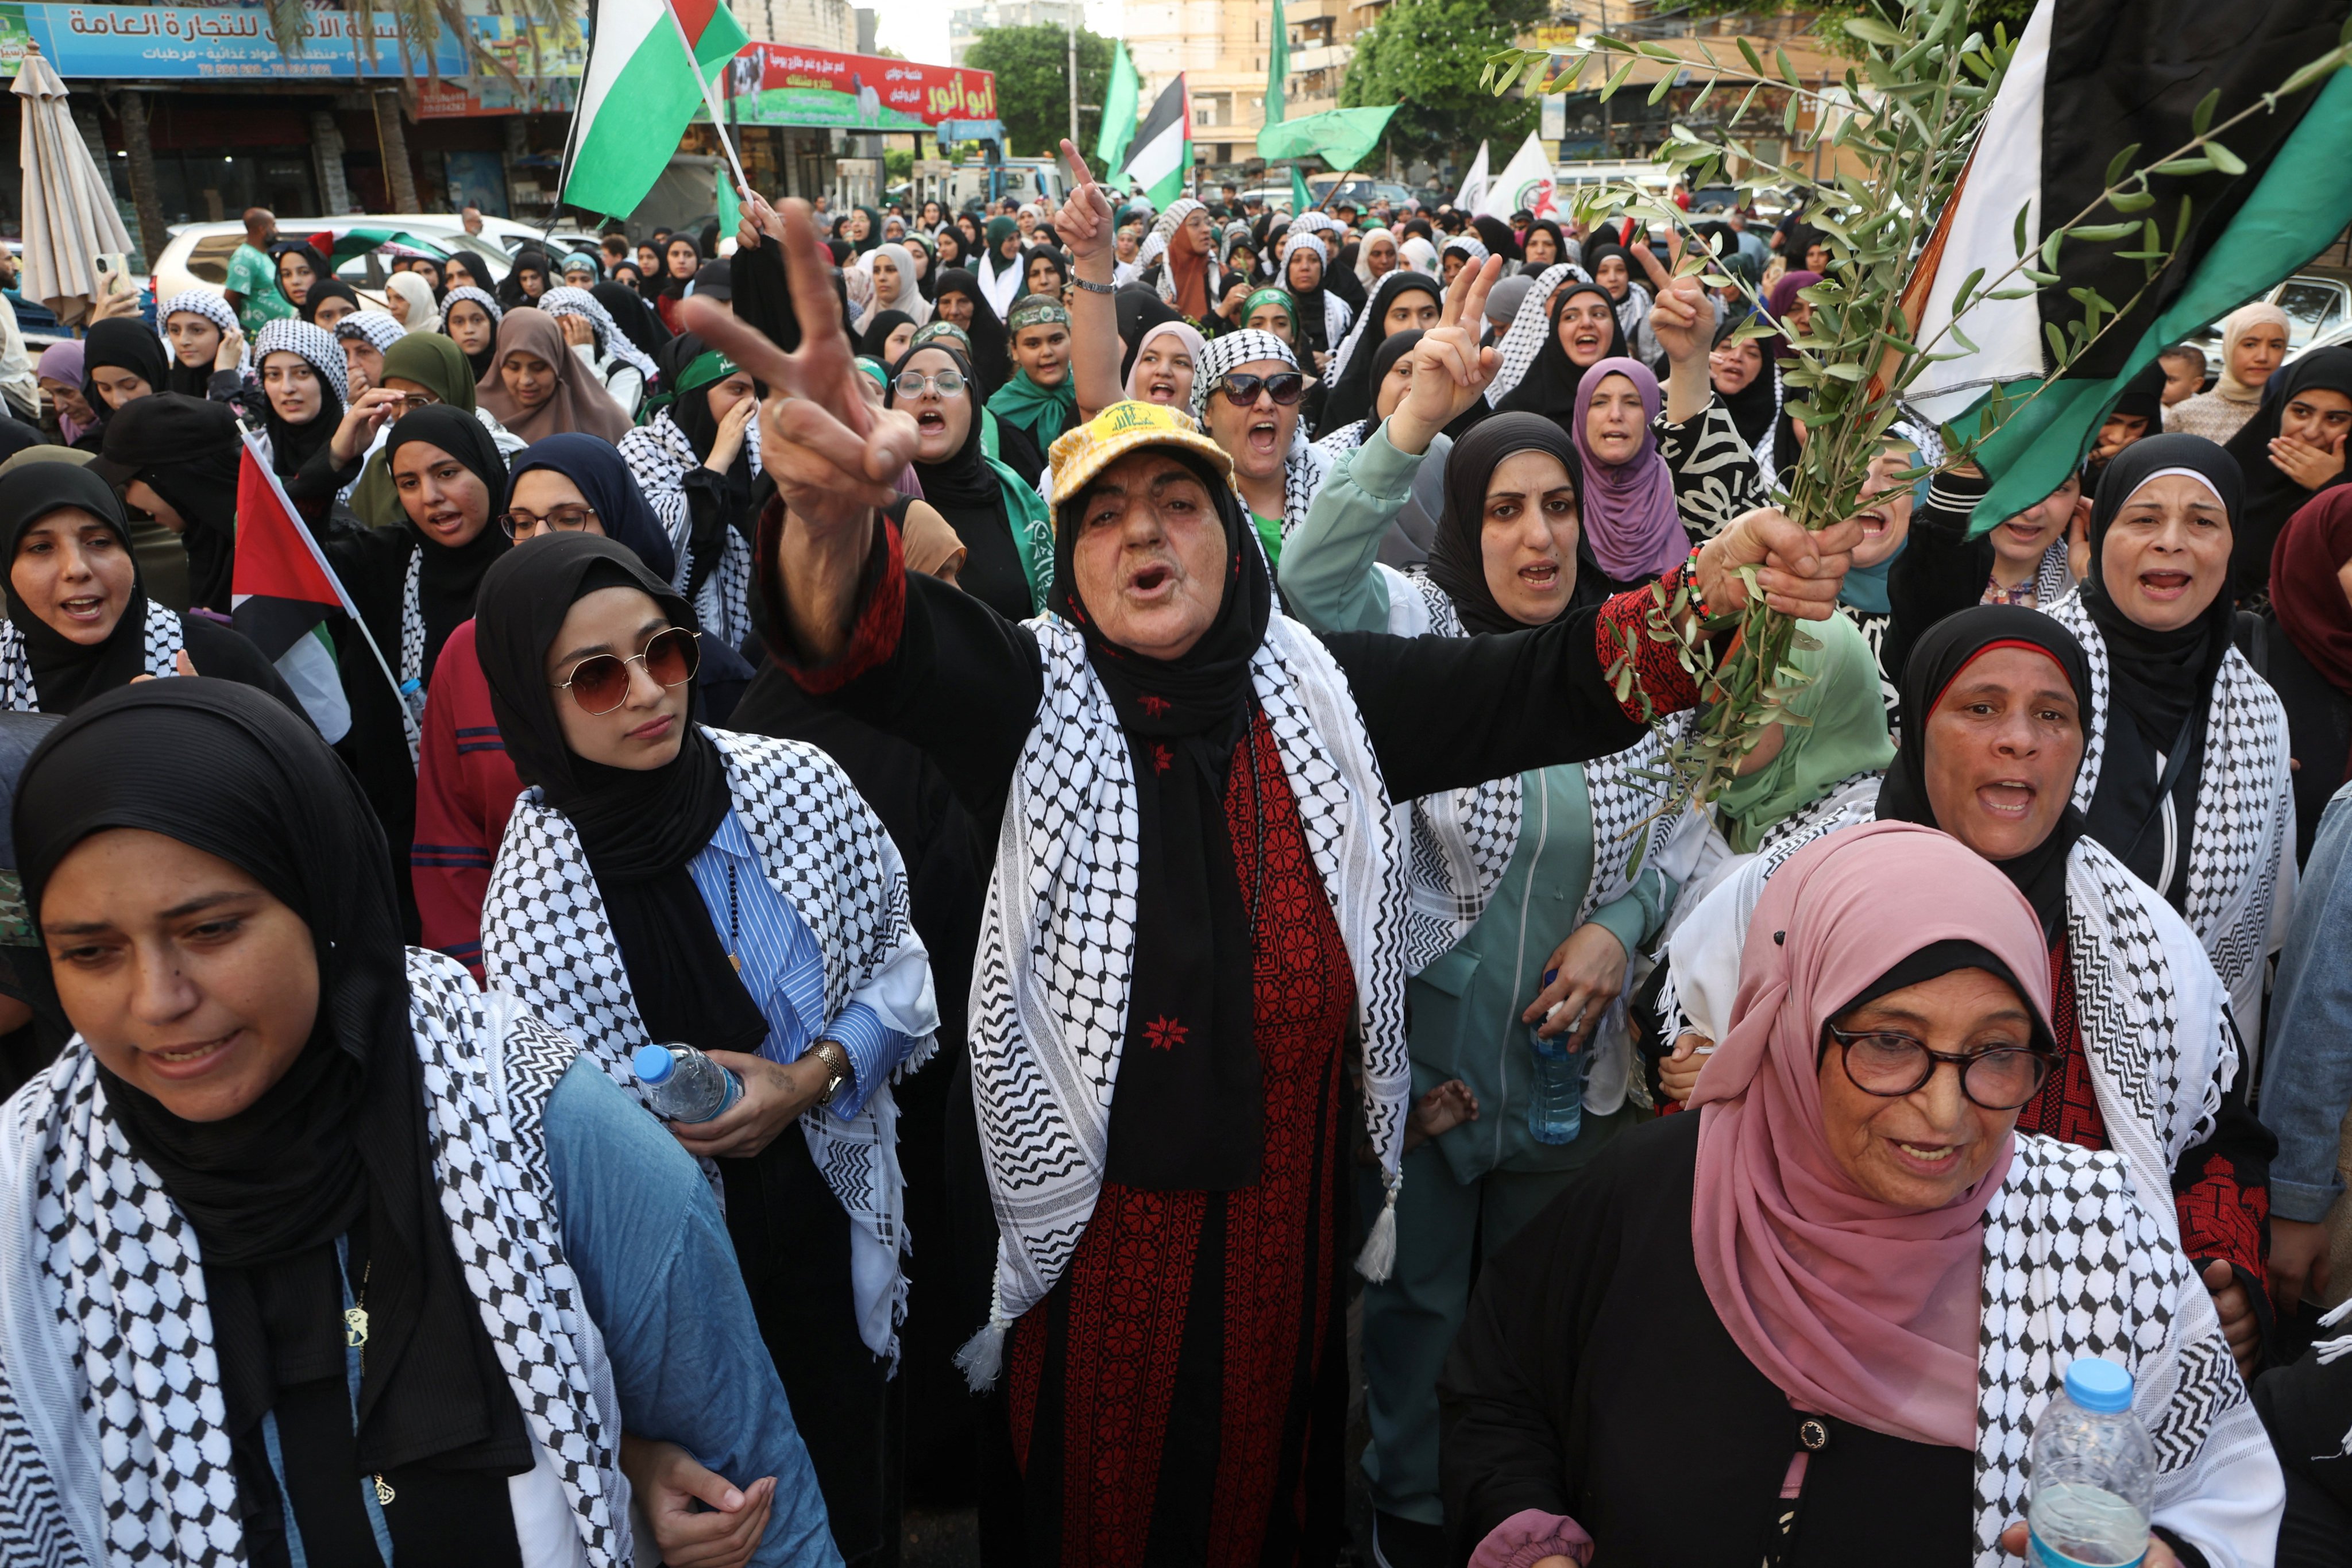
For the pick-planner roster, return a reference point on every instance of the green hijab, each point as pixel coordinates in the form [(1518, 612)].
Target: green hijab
[(1044, 412), (1846, 735), (438, 365)]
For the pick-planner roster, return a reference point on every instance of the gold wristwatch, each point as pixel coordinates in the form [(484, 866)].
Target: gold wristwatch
[(837, 1068)]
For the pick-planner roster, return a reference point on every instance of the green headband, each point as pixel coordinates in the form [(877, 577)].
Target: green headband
[(1036, 311), (934, 331), (706, 368), (875, 368), (1281, 296)]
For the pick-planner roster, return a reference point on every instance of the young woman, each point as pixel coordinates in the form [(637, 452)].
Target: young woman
[(620, 367), (2291, 449), (410, 299), (2253, 345), (176, 459), (470, 318), (329, 301), (952, 250), (1400, 302), (1376, 258), (1001, 272), (207, 345), (298, 268), (680, 262), (1747, 380), (963, 304), (430, 270), (744, 901), (531, 276), (537, 386), (1323, 316), (891, 272), (1001, 519), (307, 393), (582, 270), (697, 461), (460, 271), (1048, 273), (79, 623), (364, 336), (1615, 269), (1184, 271), (887, 335), (407, 1303), (1167, 357), (1565, 326), (122, 359)]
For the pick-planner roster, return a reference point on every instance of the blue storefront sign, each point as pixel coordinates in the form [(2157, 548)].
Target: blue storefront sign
[(155, 43)]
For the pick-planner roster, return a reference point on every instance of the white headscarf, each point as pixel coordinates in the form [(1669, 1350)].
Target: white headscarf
[(910, 298), (1364, 273), (1418, 254), (1182, 333), (423, 315)]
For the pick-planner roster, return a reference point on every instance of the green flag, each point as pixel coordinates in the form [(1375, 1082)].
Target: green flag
[(1301, 199), (1277, 67), (730, 215), (1120, 100), (1343, 138)]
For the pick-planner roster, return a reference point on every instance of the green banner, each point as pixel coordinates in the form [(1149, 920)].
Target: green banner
[(1343, 138)]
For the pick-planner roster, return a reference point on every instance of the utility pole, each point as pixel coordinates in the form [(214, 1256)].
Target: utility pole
[(1071, 14)]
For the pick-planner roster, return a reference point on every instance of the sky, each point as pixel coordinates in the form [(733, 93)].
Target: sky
[(918, 28)]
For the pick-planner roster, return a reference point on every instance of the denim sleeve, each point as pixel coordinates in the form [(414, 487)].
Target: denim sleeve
[(2307, 1082), (660, 1279)]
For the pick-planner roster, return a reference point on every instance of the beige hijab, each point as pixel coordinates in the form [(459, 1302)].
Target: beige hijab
[(2234, 326), (579, 403)]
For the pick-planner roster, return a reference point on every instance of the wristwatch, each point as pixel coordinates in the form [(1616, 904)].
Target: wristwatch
[(837, 1068)]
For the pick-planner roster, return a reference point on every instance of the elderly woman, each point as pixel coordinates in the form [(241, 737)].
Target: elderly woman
[(343, 1258), (1847, 1282), (1199, 883)]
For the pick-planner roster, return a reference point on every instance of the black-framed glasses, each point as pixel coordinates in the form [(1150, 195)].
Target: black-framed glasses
[(1285, 387), (563, 519), (914, 383), (600, 683), (1889, 1064)]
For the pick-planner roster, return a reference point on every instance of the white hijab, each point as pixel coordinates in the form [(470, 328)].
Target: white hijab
[(1364, 273), (423, 315), (911, 294)]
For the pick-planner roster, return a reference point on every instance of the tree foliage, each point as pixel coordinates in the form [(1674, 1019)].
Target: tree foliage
[(1833, 14), (1032, 83), (1427, 54)]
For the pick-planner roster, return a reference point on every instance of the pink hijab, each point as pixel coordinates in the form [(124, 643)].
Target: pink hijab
[(1628, 508), (1182, 333), (1864, 1312)]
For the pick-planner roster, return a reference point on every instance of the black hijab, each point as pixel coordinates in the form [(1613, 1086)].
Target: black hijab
[(639, 827), (1561, 251), (128, 343), (320, 272), (1357, 388), (2271, 496), (2161, 683), (636, 320), (1312, 324), (324, 290), (1752, 407), (1190, 1119), (510, 292), (336, 1147), (449, 577), (674, 288), (1457, 561), (291, 445), (186, 450), (1549, 385), (1942, 652), (878, 330), (67, 674), (992, 346), (1497, 238)]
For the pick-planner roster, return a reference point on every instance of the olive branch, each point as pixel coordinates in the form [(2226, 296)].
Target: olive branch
[(1907, 113)]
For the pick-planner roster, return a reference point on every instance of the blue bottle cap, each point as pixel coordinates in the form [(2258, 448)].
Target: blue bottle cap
[(412, 684), (653, 1064), (2099, 1385)]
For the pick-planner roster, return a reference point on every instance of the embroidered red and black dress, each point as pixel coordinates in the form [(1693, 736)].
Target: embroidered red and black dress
[(2220, 1188), (1178, 1395)]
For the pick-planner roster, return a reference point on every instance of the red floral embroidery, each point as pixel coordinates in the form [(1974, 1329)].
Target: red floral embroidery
[(1165, 1034), (2065, 1107), (1623, 621), (2223, 1218), (1163, 759), (1156, 707)]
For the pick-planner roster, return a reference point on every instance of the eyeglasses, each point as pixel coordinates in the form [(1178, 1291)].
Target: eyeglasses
[(600, 683), (914, 384), (563, 520), (1285, 387), (410, 401), (1891, 1065)]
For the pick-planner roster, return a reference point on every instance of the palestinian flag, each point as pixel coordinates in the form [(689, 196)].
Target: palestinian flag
[(1161, 157), (653, 63), (281, 585), (2091, 80)]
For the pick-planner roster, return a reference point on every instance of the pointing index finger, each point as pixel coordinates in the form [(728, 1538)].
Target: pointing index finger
[(1659, 275), (1078, 170)]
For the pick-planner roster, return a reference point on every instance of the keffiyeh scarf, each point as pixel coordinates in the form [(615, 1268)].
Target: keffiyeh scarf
[(377, 327), (316, 345), (1304, 470), (660, 456), (1529, 328), (487, 301), (1047, 1031), (112, 1443), (2242, 870), (547, 940), (165, 636), (610, 339)]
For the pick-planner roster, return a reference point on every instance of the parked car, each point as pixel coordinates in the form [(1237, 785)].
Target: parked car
[(197, 255), (36, 321), (2318, 309)]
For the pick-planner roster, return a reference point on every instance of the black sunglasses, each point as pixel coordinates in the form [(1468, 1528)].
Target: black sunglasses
[(1285, 387)]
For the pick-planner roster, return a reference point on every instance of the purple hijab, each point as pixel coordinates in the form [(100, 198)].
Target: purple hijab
[(62, 361), (1630, 518), (1779, 297)]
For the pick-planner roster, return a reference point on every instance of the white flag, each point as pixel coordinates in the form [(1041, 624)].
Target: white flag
[(1525, 184), (1474, 184)]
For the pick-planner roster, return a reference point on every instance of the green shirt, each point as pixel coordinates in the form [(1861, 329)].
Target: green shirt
[(1269, 534), (253, 276)]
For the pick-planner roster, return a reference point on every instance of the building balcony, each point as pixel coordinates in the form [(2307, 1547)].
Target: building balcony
[(1323, 56)]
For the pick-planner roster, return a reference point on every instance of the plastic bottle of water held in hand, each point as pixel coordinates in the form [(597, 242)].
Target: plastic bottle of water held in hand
[(412, 691), (684, 1084), (1556, 1096), (2094, 1474)]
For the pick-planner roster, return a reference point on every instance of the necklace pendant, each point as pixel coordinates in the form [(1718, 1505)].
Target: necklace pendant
[(383, 1493), (736, 961), (356, 1326)]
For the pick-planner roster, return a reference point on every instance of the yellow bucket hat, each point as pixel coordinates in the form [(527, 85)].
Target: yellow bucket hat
[(1081, 452)]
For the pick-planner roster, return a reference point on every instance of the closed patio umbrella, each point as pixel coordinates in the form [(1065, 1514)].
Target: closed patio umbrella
[(69, 215)]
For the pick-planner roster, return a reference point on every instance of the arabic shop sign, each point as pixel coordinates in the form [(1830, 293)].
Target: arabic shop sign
[(782, 84), (165, 42)]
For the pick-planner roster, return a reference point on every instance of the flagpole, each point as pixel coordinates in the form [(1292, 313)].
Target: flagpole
[(718, 121)]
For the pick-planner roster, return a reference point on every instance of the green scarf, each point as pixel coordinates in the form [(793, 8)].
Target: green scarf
[(437, 363), (1846, 735), (1044, 413), (1032, 523)]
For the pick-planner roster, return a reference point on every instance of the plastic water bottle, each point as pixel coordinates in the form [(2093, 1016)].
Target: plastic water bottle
[(412, 691), (2094, 1474), (684, 1084), (1556, 1097)]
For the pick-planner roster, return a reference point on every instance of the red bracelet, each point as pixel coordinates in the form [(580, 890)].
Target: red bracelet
[(1690, 582)]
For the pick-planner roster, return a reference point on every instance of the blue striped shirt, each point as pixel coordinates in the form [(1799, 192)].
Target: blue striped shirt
[(783, 968)]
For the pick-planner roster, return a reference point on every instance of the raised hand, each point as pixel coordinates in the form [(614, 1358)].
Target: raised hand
[(1084, 221), (1682, 318), (1450, 370)]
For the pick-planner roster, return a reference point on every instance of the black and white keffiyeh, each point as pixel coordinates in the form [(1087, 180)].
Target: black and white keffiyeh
[(1524, 339), (213, 308), (1050, 992), (2076, 1265), (315, 344), (379, 327), (566, 301), (660, 456), (165, 637), (113, 1443), (546, 938), (2054, 578), (488, 302), (1305, 468), (1337, 314), (2241, 869), (1469, 246)]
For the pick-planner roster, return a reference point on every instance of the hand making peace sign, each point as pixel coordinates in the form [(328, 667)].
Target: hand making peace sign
[(1450, 370)]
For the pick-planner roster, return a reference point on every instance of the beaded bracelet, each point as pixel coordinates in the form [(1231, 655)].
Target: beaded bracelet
[(1690, 583)]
